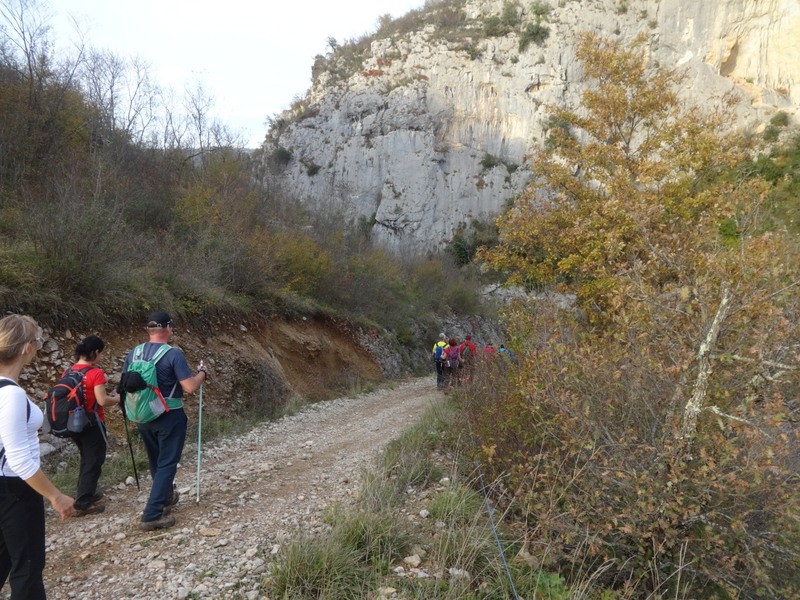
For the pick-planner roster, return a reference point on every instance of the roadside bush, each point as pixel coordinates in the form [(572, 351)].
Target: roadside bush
[(585, 441)]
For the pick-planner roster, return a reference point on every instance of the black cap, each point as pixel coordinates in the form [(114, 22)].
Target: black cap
[(158, 319)]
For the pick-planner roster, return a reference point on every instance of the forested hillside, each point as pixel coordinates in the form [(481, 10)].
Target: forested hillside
[(115, 198)]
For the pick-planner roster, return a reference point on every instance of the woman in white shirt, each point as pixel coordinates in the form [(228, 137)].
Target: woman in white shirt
[(23, 484)]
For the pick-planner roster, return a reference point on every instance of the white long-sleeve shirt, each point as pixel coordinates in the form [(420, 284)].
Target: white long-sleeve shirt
[(19, 435)]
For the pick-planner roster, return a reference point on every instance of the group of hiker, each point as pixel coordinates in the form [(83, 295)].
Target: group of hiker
[(455, 362), (155, 376)]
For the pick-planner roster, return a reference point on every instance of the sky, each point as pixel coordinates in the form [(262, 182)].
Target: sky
[(253, 56)]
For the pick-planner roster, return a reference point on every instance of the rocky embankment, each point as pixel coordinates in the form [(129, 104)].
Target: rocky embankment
[(257, 492)]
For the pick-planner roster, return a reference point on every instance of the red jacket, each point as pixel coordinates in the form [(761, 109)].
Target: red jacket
[(473, 349)]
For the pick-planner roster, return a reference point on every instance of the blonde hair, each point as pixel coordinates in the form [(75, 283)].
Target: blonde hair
[(15, 332)]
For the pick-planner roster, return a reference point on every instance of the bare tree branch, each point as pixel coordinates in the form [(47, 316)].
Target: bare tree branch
[(695, 404)]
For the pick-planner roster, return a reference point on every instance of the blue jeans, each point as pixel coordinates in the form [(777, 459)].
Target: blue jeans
[(163, 439)]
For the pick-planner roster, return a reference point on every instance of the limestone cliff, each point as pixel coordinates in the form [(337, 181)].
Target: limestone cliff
[(429, 128)]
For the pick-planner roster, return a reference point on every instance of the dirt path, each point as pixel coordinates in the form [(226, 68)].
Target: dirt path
[(256, 492)]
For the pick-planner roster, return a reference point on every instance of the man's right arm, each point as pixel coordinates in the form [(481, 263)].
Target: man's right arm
[(193, 383), (189, 383)]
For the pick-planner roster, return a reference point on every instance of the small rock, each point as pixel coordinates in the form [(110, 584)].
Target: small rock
[(387, 592), (412, 561), (210, 532), (424, 513), (420, 573), (458, 573)]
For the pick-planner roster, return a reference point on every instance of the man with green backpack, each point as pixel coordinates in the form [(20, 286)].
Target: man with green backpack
[(155, 377)]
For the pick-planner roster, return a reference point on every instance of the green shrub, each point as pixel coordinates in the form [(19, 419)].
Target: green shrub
[(533, 32), (780, 119), (494, 27), (314, 568), (540, 10), (456, 504), (281, 156), (375, 538), (489, 161), (771, 133), (407, 461)]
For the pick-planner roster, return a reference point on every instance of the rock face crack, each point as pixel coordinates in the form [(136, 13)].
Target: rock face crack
[(257, 492)]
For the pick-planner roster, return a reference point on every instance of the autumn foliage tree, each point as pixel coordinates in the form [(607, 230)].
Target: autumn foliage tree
[(644, 436)]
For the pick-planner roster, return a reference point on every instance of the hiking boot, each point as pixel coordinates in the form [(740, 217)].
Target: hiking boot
[(173, 500), (92, 509), (96, 497), (161, 523)]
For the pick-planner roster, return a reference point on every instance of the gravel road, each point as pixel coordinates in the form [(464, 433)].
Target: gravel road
[(257, 491)]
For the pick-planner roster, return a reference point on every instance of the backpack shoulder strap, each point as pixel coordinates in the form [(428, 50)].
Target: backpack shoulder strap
[(3, 384), (6, 382), (137, 352), (160, 353)]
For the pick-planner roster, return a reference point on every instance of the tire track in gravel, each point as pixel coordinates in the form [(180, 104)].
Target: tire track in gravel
[(257, 491)]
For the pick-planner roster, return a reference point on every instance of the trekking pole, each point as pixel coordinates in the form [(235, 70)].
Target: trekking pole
[(199, 440), (130, 446), (102, 427)]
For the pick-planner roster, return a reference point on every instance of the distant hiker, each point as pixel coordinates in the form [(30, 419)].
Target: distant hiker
[(489, 349), (451, 359), (157, 409), (468, 352), (23, 484), (91, 442), (507, 354), (438, 359)]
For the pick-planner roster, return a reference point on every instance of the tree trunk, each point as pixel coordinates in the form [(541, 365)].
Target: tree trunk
[(695, 403)]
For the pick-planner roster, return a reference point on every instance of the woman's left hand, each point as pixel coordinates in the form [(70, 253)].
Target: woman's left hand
[(64, 505)]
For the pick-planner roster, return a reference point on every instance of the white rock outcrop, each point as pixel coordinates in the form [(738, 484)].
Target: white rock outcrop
[(430, 133)]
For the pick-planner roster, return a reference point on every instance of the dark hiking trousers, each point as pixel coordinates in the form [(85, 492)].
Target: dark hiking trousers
[(21, 539), (92, 446), (163, 439), (439, 373)]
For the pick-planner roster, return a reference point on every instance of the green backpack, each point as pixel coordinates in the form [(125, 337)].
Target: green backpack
[(144, 402)]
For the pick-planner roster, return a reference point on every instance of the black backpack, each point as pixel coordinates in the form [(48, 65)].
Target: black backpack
[(66, 404)]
